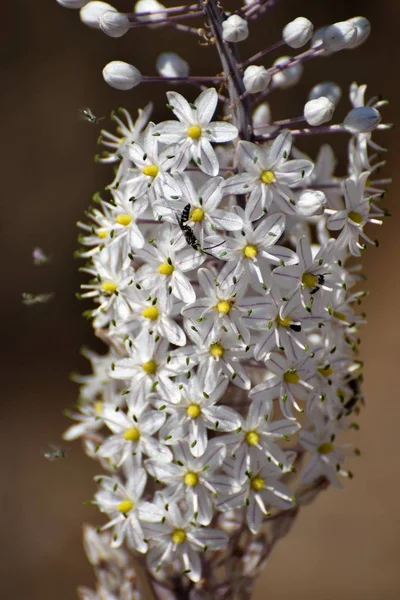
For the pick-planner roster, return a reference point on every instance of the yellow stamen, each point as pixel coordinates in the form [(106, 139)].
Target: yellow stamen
[(98, 407), (150, 170), (250, 251), (339, 315), (124, 220), (257, 484), (267, 177), (285, 322), (149, 367), (191, 479), (125, 506), (309, 280), (216, 350), (150, 312), (166, 269), (109, 287), (178, 536), (326, 371), (325, 448), (194, 132), (132, 434), (193, 411), (224, 307), (252, 438), (102, 233), (291, 376), (197, 215), (355, 217)]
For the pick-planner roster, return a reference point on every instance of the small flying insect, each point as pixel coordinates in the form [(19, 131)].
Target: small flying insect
[(87, 114), (32, 299), (189, 235), (54, 453), (40, 257)]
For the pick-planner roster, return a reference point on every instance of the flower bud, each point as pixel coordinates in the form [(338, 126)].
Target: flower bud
[(169, 64), (121, 75), (90, 14), (150, 6), (256, 79), (317, 38), (72, 3), (261, 117), (318, 111), (328, 89), (113, 23), (311, 203), (362, 119), (289, 76), (298, 32), (339, 36), (363, 27), (235, 29)]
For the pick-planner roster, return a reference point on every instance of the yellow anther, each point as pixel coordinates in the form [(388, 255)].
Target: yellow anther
[(267, 177), (355, 217), (149, 367), (193, 411), (132, 434), (98, 407), (285, 322), (326, 371), (166, 269), (178, 536), (150, 312), (124, 220), (325, 448), (125, 506), (102, 233), (191, 479), (150, 170), (223, 307), (216, 350), (194, 132), (309, 280), (252, 438), (250, 251), (339, 315), (257, 484), (109, 287), (197, 215), (291, 376)]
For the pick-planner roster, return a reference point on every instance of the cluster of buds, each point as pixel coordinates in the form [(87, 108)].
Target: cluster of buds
[(218, 269)]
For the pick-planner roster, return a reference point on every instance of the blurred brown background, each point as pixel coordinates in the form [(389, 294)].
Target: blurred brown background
[(347, 545)]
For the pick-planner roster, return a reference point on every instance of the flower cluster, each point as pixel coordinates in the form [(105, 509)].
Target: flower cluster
[(219, 276)]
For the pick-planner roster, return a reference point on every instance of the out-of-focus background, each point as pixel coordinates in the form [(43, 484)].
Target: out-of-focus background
[(346, 545)]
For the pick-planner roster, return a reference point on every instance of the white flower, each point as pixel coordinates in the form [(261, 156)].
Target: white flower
[(298, 32), (235, 29), (318, 111), (256, 79), (121, 75), (194, 132), (113, 23)]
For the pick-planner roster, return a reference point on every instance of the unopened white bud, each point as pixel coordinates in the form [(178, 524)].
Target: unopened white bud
[(114, 24), (362, 119), (298, 32), (90, 14), (311, 203), (289, 76), (328, 89), (150, 6), (318, 111), (363, 27), (121, 75), (256, 79), (72, 3), (339, 36), (317, 38), (169, 64), (262, 115), (235, 29)]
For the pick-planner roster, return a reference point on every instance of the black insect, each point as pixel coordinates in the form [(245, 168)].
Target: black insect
[(187, 231)]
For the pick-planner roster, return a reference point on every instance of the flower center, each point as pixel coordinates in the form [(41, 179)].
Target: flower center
[(326, 371), (291, 376), (325, 448), (216, 350), (191, 479), (125, 506), (285, 322), (355, 217), (109, 287), (252, 438), (309, 280), (194, 132), (150, 312), (250, 251), (223, 307), (257, 484), (132, 434), (197, 215), (150, 170), (178, 536), (193, 411), (149, 367), (267, 177), (98, 407), (102, 233), (166, 269), (124, 220)]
